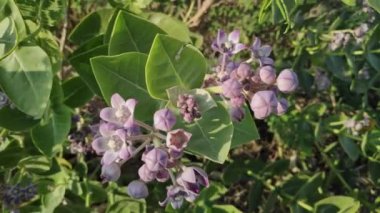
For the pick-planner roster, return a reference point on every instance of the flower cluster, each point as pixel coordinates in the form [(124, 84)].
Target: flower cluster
[(357, 126), (253, 80), (14, 196), (342, 38), (188, 107), (163, 148)]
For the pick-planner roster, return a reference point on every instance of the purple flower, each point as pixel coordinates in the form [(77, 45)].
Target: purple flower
[(287, 81), (137, 189), (261, 52), (243, 71), (267, 75), (282, 106), (263, 103), (155, 159), (145, 174), (231, 88), (164, 120), (175, 196), (110, 172), (228, 45), (237, 101), (177, 139), (237, 114), (192, 178), (120, 112), (112, 145), (162, 175), (188, 107)]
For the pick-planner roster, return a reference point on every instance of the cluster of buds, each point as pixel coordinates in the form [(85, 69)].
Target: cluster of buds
[(13, 196), (164, 147), (188, 107), (254, 80), (341, 38)]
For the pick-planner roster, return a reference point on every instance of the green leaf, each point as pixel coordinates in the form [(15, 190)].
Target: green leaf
[(76, 92), (8, 36), (132, 34), (374, 171), (350, 147), (91, 26), (211, 134), (349, 2), (375, 4), (8, 8), (47, 137), (245, 131), (81, 63), (125, 74), (10, 153), (341, 204), (51, 200), (225, 209), (172, 26), (127, 206), (15, 120), (173, 63), (35, 164), (26, 78)]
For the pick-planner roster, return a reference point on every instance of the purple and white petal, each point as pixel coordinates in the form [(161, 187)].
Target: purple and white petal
[(100, 145), (234, 36), (238, 47), (108, 114), (109, 157), (117, 101)]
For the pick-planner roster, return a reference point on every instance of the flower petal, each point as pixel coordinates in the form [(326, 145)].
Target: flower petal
[(100, 145), (107, 129), (238, 47), (221, 38), (109, 157), (117, 101), (234, 36), (108, 114), (131, 104)]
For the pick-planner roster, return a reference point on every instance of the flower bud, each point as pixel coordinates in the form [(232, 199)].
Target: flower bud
[(237, 101), (237, 114), (282, 106), (177, 139), (145, 174), (243, 71), (287, 81), (231, 88), (263, 103), (267, 75), (110, 172), (156, 159), (137, 189), (192, 178), (164, 120), (162, 175)]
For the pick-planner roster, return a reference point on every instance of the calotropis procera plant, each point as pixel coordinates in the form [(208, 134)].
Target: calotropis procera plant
[(122, 136), (120, 139)]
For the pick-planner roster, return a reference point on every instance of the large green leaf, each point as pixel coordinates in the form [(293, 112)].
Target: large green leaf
[(81, 63), (132, 34), (127, 206), (10, 153), (91, 26), (48, 137), (173, 63), (125, 74), (54, 198), (375, 4), (171, 26), (76, 92), (340, 204), (8, 36), (16, 120), (211, 134), (245, 131), (26, 78)]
